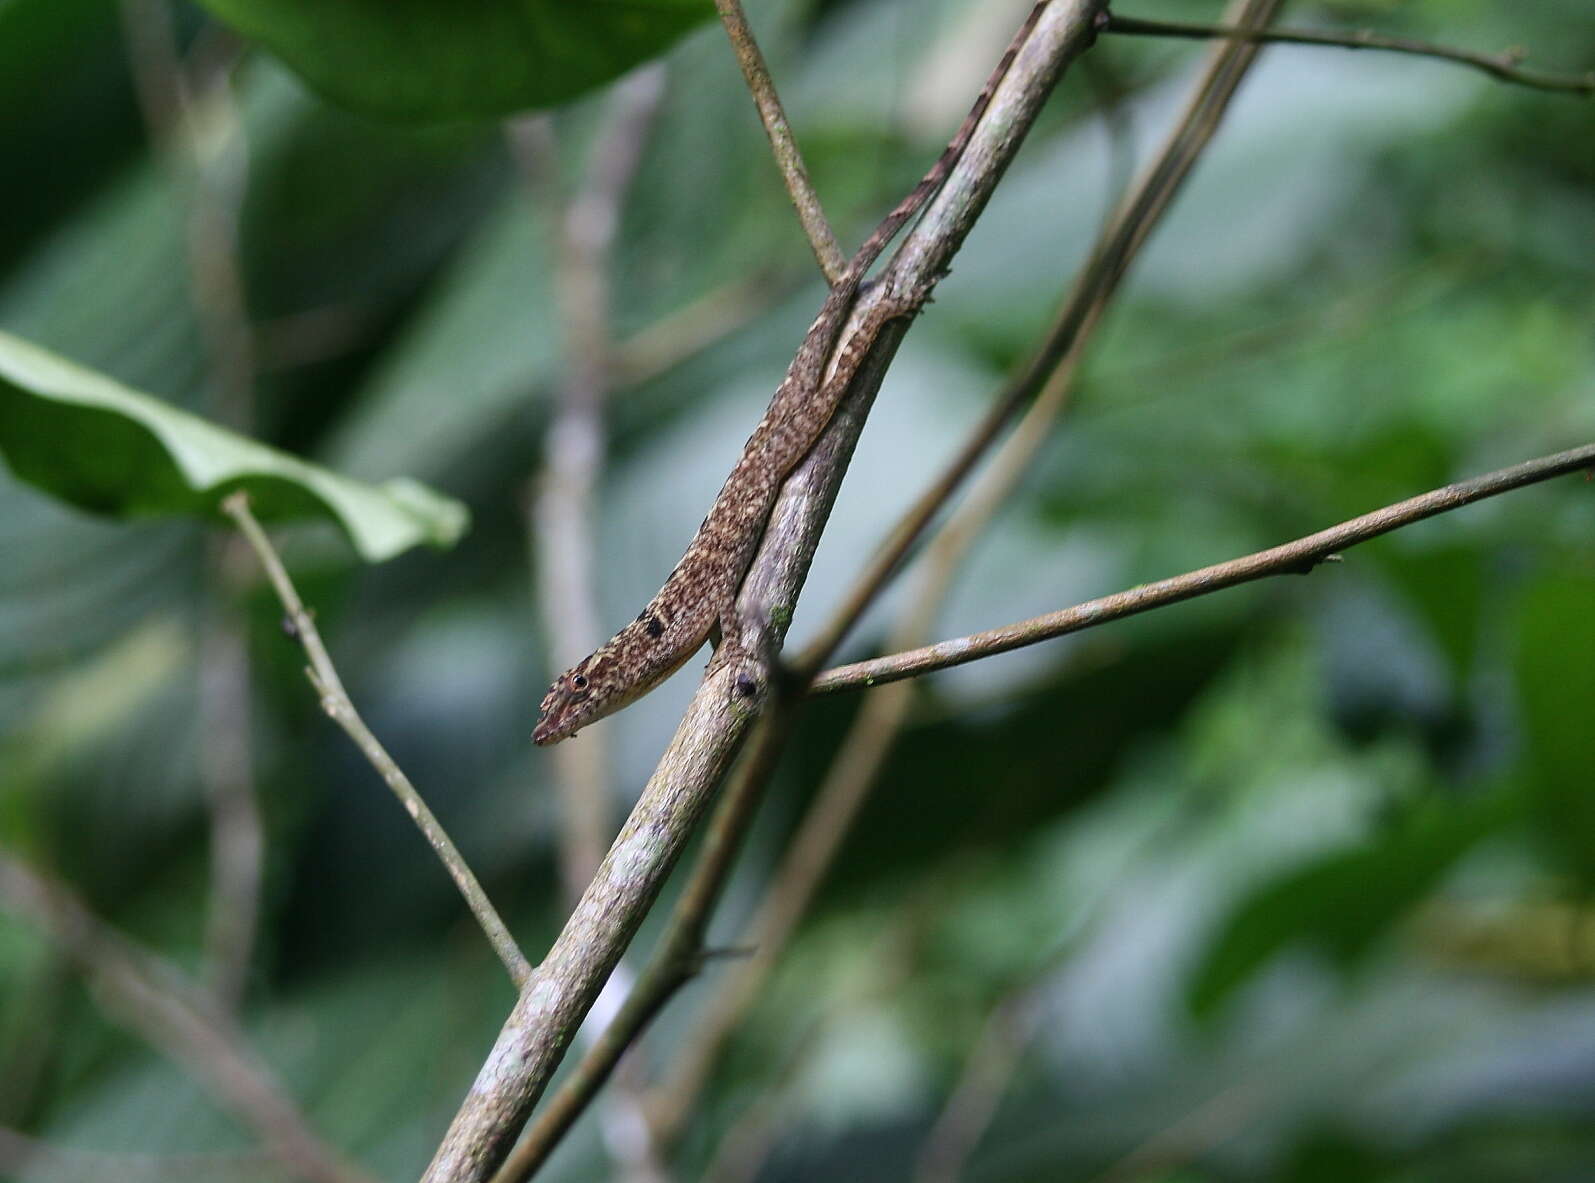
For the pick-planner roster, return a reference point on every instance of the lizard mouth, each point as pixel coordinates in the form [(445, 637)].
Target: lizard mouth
[(546, 732), (549, 728)]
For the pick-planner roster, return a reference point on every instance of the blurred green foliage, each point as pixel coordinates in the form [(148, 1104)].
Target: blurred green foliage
[(1325, 816)]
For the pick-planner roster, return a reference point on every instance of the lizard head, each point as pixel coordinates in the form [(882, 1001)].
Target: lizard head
[(572, 702), (635, 660)]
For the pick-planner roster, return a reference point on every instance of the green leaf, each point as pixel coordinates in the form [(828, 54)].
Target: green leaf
[(425, 60), (91, 441), (1341, 902)]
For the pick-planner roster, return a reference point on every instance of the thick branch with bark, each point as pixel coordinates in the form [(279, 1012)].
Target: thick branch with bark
[(563, 988)]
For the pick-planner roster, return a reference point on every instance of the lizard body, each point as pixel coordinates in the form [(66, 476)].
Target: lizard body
[(701, 592)]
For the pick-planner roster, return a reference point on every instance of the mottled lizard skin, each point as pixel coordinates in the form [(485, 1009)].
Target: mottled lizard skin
[(701, 592)]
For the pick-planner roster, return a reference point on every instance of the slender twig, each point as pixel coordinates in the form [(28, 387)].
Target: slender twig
[(773, 1106), (226, 758), (176, 101), (336, 703), (183, 114), (1292, 558), (787, 156), (538, 1031), (1211, 1124), (973, 1101), (870, 739), (158, 1001), (1504, 66)]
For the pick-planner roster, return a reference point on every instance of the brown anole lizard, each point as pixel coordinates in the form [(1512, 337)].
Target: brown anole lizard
[(700, 593)]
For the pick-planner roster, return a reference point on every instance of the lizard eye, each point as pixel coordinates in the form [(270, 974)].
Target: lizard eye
[(578, 682)]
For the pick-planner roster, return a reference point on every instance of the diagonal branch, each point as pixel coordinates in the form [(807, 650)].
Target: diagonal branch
[(336, 703), (159, 1002), (182, 107), (1292, 558), (1504, 66), (787, 156)]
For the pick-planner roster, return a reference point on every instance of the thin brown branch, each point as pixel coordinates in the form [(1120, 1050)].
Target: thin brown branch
[(340, 709), (193, 124), (539, 1029), (1503, 66), (787, 156), (1197, 1133), (673, 963), (1292, 558), (173, 1015), (773, 1105), (226, 761)]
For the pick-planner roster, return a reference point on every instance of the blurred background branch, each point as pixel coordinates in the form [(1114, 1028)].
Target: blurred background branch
[(155, 999), (563, 517), (189, 118)]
